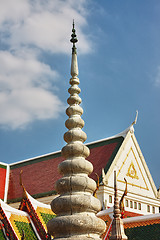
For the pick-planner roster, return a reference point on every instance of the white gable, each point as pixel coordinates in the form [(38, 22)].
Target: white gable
[(130, 164)]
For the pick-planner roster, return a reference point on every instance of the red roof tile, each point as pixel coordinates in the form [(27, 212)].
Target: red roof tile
[(38, 178), (131, 214), (99, 157)]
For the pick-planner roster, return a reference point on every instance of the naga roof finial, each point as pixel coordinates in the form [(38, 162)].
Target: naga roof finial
[(135, 121), (21, 183), (74, 38), (121, 202)]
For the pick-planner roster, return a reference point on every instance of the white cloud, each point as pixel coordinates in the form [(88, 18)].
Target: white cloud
[(45, 24), (13, 11), (22, 107), (29, 28), (26, 91)]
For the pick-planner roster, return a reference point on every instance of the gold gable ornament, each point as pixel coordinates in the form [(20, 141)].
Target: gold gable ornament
[(132, 171)]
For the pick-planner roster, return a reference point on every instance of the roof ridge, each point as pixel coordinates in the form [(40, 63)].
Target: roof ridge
[(142, 218), (121, 134)]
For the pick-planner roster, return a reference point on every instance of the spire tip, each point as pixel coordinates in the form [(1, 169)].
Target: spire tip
[(73, 38)]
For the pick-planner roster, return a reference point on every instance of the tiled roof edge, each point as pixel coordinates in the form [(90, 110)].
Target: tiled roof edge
[(3, 165), (105, 212), (36, 158), (142, 218)]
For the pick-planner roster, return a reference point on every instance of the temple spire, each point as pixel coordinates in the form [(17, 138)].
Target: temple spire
[(76, 206), (117, 224)]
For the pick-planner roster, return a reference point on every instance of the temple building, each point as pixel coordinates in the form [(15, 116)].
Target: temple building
[(27, 187), (121, 153)]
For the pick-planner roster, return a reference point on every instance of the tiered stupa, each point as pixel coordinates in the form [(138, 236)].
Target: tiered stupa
[(76, 206)]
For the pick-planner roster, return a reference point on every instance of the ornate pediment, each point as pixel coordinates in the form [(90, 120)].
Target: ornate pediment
[(129, 163), (131, 169)]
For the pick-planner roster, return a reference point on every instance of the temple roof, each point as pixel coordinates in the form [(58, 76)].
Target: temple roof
[(43, 170), (40, 173)]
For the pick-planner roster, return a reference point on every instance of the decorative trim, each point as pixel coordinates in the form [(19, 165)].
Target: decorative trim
[(6, 184), (119, 141), (27, 207), (131, 149), (15, 217), (132, 173), (144, 165), (134, 185), (40, 210), (7, 226), (2, 166), (117, 156)]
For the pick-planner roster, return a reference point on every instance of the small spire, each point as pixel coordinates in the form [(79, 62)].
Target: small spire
[(117, 224), (74, 38)]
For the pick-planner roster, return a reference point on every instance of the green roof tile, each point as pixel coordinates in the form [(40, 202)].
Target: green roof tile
[(27, 229), (2, 235), (149, 232), (46, 217)]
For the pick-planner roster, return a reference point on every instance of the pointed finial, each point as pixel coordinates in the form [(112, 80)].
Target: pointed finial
[(104, 181), (73, 39), (21, 183), (135, 121)]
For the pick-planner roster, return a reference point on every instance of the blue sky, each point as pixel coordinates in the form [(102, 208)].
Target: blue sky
[(119, 71)]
